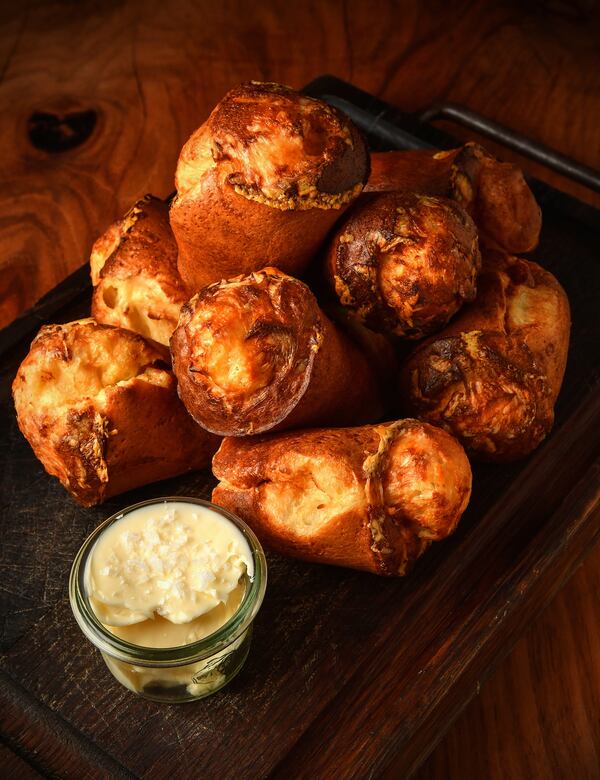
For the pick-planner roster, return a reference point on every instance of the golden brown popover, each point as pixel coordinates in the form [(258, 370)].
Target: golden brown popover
[(404, 263), (100, 409), (262, 181), (492, 376), (370, 498), (134, 272), (494, 193), (256, 352)]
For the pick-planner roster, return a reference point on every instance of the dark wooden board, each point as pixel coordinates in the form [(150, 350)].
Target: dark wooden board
[(348, 674)]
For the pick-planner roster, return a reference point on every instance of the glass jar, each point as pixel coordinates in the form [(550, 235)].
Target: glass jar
[(173, 674)]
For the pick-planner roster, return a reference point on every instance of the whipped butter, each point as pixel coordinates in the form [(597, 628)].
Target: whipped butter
[(164, 577), (170, 574)]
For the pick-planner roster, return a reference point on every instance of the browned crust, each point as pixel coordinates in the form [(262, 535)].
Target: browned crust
[(381, 353), (314, 373), (498, 198), (134, 271), (404, 263), (131, 433), (390, 467), (494, 193), (262, 181), (493, 375), (330, 160)]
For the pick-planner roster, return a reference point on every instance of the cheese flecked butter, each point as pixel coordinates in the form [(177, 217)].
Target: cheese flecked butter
[(168, 575), (163, 576)]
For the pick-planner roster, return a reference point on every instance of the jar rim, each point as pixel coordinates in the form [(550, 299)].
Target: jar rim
[(180, 655)]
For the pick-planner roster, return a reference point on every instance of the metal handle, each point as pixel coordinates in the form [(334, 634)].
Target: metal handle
[(376, 123), (519, 143)]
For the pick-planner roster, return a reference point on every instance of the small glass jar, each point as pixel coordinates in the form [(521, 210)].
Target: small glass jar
[(173, 674)]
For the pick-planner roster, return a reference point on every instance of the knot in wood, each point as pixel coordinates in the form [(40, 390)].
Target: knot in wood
[(55, 133)]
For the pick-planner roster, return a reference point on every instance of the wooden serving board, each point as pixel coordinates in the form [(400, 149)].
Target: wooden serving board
[(348, 674)]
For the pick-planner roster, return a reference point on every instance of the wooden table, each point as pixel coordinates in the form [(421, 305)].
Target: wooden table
[(134, 79)]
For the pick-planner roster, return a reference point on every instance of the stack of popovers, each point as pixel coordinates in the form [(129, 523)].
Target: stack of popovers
[(259, 186)]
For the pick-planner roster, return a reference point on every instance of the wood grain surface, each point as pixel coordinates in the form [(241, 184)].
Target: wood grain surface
[(14, 766), (149, 71), (133, 79), (538, 715)]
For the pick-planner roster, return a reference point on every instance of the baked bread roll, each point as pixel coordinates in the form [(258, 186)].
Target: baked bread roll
[(493, 375), (134, 273), (370, 498), (256, 352), (404, 263), (261, 182), (381, 353), (494, 193), (99, 408)]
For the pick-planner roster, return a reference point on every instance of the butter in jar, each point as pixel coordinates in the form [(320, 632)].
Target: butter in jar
[(167, 590)]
